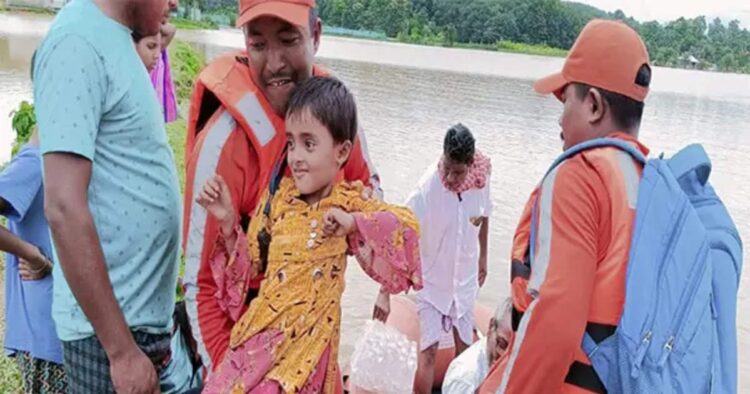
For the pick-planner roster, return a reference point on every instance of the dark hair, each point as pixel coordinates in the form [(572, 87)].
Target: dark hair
[(626, 112), (458, 145), (137, 37), (330, 102)]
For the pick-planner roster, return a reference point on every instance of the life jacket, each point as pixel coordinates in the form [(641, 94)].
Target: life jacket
[(226, 82)]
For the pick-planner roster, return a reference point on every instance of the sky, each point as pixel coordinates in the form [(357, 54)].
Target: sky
[(666, 10)]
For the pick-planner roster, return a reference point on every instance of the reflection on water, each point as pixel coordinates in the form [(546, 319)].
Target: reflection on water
[(405, 111)]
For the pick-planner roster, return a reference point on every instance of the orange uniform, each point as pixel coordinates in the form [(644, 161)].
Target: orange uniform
[(585, 212), (233, 132)]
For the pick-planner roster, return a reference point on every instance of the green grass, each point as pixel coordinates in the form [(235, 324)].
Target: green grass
[(176, 135), (186, 64), (10, 378), (188, 24), (27, 10), (541, 50)]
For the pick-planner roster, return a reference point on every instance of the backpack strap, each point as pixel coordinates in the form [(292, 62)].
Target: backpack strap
[(584, 146), (264, 236), (598, 143), (273, 186), (692, 158)]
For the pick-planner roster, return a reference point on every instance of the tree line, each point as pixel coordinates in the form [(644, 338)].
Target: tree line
[(696, 43)]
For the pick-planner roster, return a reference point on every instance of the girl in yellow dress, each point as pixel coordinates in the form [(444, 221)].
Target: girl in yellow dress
[(287, 340)]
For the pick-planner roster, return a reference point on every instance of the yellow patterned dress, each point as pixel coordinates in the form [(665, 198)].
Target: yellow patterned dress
[(288, 339)]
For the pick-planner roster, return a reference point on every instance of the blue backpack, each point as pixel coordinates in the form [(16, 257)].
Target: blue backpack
[(678, 329)]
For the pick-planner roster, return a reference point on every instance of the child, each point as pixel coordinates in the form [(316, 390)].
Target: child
[(287, 341), (30, 331), (148, 48), (452, 202)]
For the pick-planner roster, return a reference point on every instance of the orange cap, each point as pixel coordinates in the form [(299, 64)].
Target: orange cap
[(606, 55), (296, 12)]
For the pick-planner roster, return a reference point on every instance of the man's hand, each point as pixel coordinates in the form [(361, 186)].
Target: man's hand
[(133, 373), (382, 307), (482, 270)]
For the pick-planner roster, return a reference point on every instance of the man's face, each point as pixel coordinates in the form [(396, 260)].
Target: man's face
[(455, 173), (147, 16), (173, 4), (574, 120), (280, 56), (498, 337)]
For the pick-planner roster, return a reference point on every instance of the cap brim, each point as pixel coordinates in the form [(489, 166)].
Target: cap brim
[(553, 84), (296, 14)]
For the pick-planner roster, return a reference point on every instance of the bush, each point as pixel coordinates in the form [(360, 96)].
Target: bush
[(23, 121), (517, 47), (186, 64)]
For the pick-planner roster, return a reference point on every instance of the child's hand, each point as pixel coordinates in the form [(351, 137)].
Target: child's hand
[(338, 223), (217, 200), (382, 307), (37, 268)]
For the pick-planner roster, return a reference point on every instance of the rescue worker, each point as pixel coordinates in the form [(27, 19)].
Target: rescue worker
[(236, 130), (584, 217)]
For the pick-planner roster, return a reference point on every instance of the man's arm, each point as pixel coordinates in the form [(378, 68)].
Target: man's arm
[(484, 230), (562, 282)]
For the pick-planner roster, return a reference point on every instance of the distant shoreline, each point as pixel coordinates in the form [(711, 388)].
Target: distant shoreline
[(502, 46), (507, 48)]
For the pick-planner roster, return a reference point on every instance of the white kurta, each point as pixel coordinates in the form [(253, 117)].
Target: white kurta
[(449, 242)]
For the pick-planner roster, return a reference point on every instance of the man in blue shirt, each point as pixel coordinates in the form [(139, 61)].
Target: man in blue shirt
[(112, 196), (29, 332)]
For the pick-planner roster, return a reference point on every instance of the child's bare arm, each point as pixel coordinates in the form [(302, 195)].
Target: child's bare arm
[(217, 199)]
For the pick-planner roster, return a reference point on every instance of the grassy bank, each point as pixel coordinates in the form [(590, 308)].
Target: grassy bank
[(187, 24), (27, 10)]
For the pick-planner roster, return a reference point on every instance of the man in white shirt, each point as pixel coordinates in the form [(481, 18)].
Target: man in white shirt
[(452, 203), (468, 370)]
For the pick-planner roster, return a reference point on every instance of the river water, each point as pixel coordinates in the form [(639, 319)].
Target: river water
[(409, 95)]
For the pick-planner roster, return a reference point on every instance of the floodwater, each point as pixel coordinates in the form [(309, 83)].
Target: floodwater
[(409, 95)]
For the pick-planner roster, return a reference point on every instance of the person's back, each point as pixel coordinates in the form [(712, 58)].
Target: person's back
[(103, 141), (569, 277)]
